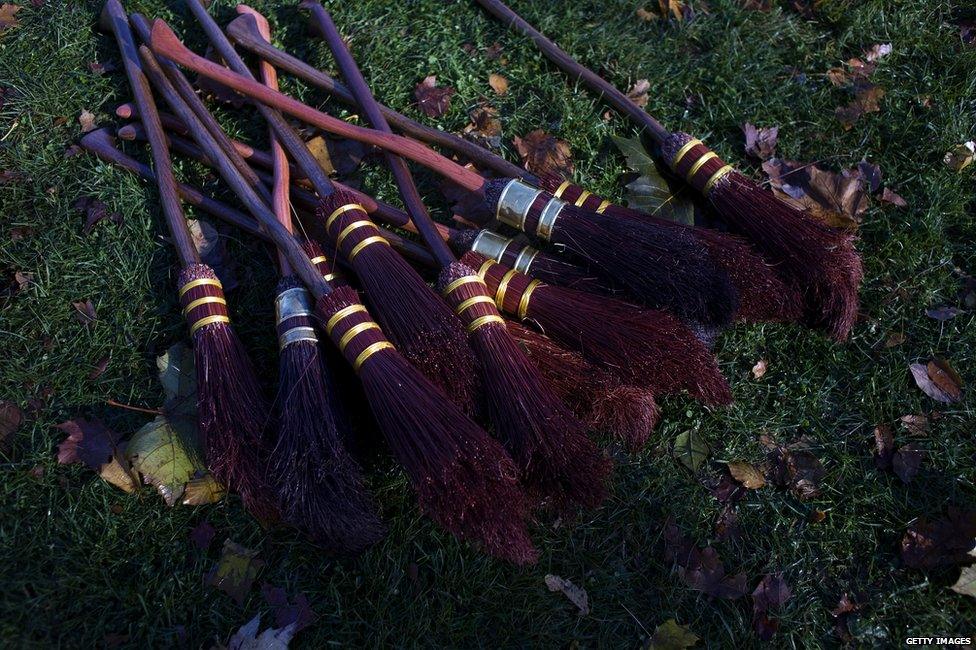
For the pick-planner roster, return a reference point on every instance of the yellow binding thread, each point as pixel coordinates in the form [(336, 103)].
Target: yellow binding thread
[(581, 199), (460, 282), (340, 210), (562, 188), (209, 320), (716, 177), (339, 315), (375, 239), (355, 225), (698, 165), (203, 301), (503, 287), (370, 351), (354, 331), (603, 206), (523, 307), (470, 302), (683, 150), (481, 321), (199, 282), (319, 259)]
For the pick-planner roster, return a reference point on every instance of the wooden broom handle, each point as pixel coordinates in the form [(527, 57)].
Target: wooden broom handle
[(165, 42), (243, 31), (570, 66), (398, 166), (114, 18)]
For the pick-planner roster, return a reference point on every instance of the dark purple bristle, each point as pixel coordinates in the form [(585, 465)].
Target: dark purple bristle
[(319, 485), (558, 463), (464, 480), (232, 413)]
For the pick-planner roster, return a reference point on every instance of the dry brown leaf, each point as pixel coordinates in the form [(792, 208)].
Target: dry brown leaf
[(941, 543), (545, 154), (576, 595), (85, 312), (669, 635), (747, 474), (645, 15), (961, 156), (917, 425), (938, 380), (895, 339), (432, 99), (498, 83), (638, 92), (760, 142), (485, 127), (10, 419), (884, 446), (837, 199), (877, 51), (759, 369), (235, 571), (87, 121), (907, 462), (891, 197), (8, 16)]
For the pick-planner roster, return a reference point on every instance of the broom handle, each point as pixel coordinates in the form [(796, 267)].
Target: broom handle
[(571, 67), (244, 32), (165, 42), (278, 234), (113, 17), (286, 135), (401, 173), (190, 97), (280, 202), (129, 111)]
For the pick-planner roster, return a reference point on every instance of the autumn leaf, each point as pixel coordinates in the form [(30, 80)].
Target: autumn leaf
[(650, 192), (203, 490), (837, 199), (545, 154), (771, 593), (297, 612), (248, 638), (907, 462), (85, 313), (159, 455), (944, 542), (759, 370), (235, 571), (669, 635), (966, 584), (340, 158), (638, 92), (574, 594), (485, 128), (760, 142), (705, 572), (793, 466), (8, 17), (87, 121), (432, 99), (866, 100), (961, 156), (747, 474), (95, 211), (944, 313), (691, 449), (92, 444), (938, 380), (877, 51), (498, 83), (884, 446), (891, 197), (917, 425)]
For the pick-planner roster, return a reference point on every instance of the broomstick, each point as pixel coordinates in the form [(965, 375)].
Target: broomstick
[(654, 265), (423, 327), (763, 296), (464, 480), (819, 260), (231, 412), (557, 461), (319, 485)]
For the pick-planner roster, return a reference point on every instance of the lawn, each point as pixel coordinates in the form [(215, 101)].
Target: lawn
[(84, 565)]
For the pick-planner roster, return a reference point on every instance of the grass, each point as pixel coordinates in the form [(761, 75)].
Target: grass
[(80, 560)]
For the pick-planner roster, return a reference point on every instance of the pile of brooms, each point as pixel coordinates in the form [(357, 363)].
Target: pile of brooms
[(486, 381)]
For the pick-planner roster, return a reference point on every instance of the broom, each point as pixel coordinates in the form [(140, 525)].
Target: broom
[(423, 327), (819, 260), (558, 462), (231, 412), (464, 480), (319, 485), (654, 265)]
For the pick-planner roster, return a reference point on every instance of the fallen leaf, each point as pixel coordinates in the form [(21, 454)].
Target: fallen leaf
[(638, 92), (877, 51), (298, 613), (650, 192), (891, 197), (672, 9), (705, 572), (747, 474), (967, 31), (945, 542), (669, 635), (770, 594), (576, 595), (645, 15), (432, 99), (85, 312), (938, 380), (691, 449), (102, 68), (493, 51), (9, 176), (202, 535), (95, 211), (884, 446), (759, 370), (247, 638), (837, 199), (203, 490), (917, 425), (906, 462), (843, 612), (966, 584), (794, 467), (11, 418), (498, 83), (213, 252), (87, 121), (235, 571), (485, 128), (8, 17), (866, 100), (944, 313), (961, 156), (727, 525), (895, 339), (340, 158), (871, 173), (544, 154), (99, 368), (23, 279), (760, 142), (159, 455), (92, 444), (727, 490)]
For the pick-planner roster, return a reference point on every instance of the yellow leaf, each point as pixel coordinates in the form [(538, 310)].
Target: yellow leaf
[(961, 156), (669, 635), (498, 83), (747, 474), (203, 490), (320, 151)]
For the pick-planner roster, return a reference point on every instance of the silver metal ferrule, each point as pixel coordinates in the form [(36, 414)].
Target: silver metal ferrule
[(514, 203), (292, 303), (490, 244), (547, 220), (525, 258)]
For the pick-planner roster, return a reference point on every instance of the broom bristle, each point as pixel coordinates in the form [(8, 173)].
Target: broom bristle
[(819, 260), (661, 267), (231, 410), (319, 485), (464, 480), (646, 347), (420, 324), (605, 404), (763, 296), (558, 463)]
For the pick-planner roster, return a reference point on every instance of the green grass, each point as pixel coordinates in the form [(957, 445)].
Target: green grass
[(79, 560)]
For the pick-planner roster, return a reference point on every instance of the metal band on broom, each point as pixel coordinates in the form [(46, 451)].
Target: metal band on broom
[(421, 325), (657, 267), (819, 260), (232, 414), (557, 462), (464, 480)]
